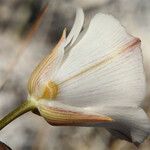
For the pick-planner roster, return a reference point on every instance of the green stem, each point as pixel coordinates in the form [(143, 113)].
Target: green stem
[(23, 108)]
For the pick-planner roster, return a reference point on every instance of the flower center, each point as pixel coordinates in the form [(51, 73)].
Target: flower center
[(50, 91)]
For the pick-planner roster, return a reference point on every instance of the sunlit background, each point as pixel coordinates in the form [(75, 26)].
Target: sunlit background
[(19, 57)]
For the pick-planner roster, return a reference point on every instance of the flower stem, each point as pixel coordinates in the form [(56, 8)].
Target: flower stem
[(23, 108)]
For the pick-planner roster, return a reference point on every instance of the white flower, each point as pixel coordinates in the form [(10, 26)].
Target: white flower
[(94, 78)]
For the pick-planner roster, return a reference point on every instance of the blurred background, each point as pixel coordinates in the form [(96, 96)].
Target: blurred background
[(18, 57)]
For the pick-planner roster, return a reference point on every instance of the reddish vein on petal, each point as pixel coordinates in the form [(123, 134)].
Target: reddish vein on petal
[(108, 58), (57, 116)]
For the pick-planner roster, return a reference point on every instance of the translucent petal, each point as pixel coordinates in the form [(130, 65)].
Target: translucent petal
[(104, 68), (104, 35), (47, 69), (131, 122)]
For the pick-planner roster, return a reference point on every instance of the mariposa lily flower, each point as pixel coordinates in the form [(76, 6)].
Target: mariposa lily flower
[(93, 78)]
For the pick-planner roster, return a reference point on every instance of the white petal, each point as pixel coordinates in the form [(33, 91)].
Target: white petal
[(78, 23), (129, 121), (104, 35), (104, 68)]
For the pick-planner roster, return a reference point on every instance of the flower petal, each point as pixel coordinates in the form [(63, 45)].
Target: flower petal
[(77, 26), (59, 114), (104, 35), (131, 122), (104, 68), (46, 70)]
